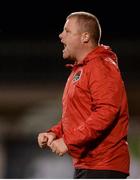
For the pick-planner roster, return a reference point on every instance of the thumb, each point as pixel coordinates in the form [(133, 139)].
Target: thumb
[(50, 140), (44, 139)]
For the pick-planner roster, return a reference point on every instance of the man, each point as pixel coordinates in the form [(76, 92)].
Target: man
[(94, 124)]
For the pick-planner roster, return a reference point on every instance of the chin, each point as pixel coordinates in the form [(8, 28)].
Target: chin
[(65, 56)]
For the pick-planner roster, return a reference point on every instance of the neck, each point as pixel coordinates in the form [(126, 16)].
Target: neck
[(84, 52)]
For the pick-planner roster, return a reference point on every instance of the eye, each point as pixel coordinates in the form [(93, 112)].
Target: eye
[(67, 30)]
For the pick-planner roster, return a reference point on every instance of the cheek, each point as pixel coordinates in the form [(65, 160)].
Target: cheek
[(72, 50), (74, 45)]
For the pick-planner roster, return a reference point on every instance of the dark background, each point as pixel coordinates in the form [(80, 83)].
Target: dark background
[(24, 26), (42, 19), (33, 75)]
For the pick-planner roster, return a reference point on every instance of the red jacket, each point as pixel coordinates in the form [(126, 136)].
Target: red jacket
[(94, 121)]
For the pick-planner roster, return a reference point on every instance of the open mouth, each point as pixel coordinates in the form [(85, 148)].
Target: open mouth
[(64, 46)]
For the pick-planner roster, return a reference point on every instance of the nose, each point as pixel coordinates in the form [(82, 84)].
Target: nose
[(60, 35)]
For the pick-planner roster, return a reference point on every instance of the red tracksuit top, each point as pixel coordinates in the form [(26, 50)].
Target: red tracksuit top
[(94, 121)]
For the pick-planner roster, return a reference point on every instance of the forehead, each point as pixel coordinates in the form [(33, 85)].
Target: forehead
[(71, 22)]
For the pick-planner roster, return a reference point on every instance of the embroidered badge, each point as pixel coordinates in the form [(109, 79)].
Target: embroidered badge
[(77, 76)]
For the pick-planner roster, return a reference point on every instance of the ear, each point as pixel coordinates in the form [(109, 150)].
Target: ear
[(85, 37)]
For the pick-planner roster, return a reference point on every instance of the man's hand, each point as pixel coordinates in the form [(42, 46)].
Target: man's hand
[(59, 147), (45, 139)]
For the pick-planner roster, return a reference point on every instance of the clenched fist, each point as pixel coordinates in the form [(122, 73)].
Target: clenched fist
[(59, 147), (45, 139)]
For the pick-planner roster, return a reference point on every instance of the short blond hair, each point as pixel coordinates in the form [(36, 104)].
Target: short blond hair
[(88, 23)]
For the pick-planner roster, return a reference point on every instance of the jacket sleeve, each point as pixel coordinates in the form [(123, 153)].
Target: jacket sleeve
[(106, 88), (57, 129)]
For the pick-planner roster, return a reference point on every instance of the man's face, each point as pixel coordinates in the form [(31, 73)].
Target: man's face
[(71, 38)]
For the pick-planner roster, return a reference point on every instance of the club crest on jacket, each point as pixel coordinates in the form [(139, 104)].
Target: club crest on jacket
[(77, 76)]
